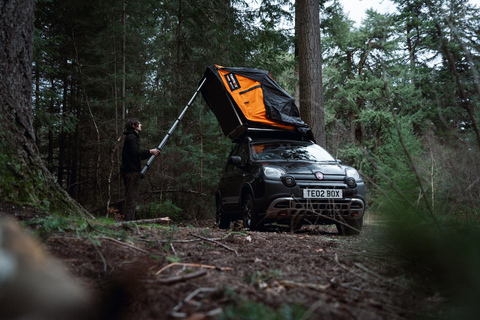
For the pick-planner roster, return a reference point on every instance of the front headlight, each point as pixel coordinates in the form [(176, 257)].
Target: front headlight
[(350, 172), (273, 172)]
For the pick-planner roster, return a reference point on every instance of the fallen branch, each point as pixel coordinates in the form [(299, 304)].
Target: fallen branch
[(101, 256), (181, 278), (310, 312), (196, 240), (211, 314), (93, 228), (216, 242), (104, 238), (123, 244), (347, 286), (155, 220), (308, 208), (349, 270), (338, 262), (358, 265), (173, 249), (195, 265), (372, 255), (183, 241), (178, 190), (292, 284)]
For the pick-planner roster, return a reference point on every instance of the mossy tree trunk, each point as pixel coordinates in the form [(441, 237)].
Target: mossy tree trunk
[(24, 178)]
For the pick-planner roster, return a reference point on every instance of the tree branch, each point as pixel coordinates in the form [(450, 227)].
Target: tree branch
[(216, 242)]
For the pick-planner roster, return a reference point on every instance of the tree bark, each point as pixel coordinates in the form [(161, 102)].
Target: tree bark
[(124, 62), (25, 178), (310, 67)]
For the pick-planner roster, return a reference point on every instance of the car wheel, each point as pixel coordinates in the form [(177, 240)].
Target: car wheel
[(223, 222), (250, 218), (347, 230)]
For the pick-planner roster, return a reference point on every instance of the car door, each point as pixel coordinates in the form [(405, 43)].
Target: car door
[(233, 178)]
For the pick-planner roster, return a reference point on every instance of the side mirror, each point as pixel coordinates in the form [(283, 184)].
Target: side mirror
[(235, 160), (339, 161)]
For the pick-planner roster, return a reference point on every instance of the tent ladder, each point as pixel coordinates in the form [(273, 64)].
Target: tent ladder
[(169, 133)]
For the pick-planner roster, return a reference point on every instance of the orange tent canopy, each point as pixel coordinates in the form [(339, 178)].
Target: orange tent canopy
[(248, 95), (246, 99)]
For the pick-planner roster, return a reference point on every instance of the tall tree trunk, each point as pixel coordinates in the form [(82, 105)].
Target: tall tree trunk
[(412, 34), (51, 143), (124, 54), (25, 178), (310, 67), (179, 45)]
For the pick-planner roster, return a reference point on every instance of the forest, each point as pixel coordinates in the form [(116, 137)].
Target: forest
[(400, 95)]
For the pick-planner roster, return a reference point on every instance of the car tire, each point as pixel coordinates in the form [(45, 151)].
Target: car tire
[(223, 222), (347, 230), (250, 217)]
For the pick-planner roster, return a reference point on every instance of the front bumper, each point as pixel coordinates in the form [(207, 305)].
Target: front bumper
[(276, 202), (287, 208)]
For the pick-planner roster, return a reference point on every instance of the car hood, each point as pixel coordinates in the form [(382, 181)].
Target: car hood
[(299, 167)]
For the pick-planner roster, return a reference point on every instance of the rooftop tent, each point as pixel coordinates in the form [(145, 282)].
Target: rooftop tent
[(245, 99)]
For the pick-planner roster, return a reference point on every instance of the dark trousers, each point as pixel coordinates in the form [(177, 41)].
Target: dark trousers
[(132, 188)]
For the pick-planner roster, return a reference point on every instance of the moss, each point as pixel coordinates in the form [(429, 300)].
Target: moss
[(28, 185)]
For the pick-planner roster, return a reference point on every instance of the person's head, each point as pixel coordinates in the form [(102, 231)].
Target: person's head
[(133, 123)]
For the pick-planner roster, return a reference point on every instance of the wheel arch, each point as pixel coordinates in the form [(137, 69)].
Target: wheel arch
[(246, 189)]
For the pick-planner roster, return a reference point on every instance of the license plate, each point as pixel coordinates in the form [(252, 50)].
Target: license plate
[(323, 193)]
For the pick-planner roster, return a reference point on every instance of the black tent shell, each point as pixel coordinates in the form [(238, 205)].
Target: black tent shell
[(280, 108)]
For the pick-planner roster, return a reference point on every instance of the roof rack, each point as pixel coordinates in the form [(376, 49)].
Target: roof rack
[(270, 133)]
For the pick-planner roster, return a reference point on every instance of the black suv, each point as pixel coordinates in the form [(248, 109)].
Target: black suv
[(289, 182)]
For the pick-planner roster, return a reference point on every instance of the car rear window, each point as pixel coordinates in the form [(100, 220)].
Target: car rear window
[(289, 151)]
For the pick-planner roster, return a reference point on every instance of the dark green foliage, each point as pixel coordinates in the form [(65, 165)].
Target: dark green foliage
[(370, 78), (44, 227), (266, 276), (391, 66), (155, 210), (79, 104), (395, 178), (400, 94), (444, 261), (256, 311)]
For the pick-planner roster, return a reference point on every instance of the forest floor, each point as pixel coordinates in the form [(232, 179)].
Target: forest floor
[(202, 272)]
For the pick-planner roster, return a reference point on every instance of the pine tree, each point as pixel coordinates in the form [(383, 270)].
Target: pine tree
[(25, 179)]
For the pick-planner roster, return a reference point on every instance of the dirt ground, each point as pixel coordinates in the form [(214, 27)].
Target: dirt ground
[(201, 272)]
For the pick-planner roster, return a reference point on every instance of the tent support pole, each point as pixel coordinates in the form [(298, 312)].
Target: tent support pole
[(169, 133)]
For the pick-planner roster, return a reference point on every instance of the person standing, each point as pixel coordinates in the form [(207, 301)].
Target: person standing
[(130, 170)]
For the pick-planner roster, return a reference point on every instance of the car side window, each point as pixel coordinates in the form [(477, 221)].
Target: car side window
[(240, 151), (231, 167), (243, 152)]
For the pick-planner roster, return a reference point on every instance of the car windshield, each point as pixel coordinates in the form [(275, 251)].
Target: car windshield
[(290, 150)]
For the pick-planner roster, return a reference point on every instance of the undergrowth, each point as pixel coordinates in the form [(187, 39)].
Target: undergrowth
[(46, 226), (257, 311)]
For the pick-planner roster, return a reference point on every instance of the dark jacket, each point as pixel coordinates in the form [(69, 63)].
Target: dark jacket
[(131, 153)]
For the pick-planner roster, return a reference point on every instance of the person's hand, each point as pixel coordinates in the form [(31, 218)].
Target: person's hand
[(154, 151)]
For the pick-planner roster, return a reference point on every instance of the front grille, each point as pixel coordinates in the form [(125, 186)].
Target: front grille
[(283, 208)]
